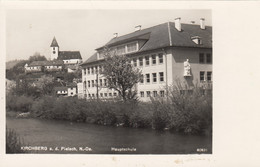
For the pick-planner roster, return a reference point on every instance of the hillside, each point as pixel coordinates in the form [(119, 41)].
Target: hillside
[(11, 64)]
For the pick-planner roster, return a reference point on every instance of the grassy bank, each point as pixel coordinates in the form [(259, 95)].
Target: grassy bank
[(13, 142), (182, 112)]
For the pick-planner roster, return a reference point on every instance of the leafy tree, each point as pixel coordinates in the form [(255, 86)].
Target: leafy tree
[(37, 57), (121, 75)]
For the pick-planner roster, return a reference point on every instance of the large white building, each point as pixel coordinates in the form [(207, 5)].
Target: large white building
[(164, 53)]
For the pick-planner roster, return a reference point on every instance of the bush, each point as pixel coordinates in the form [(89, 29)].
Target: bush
[(13, 142), (18, 103), (190, 111)]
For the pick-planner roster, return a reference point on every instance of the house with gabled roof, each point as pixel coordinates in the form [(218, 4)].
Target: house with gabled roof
[(43, 66), (68, 57), (165, 53)]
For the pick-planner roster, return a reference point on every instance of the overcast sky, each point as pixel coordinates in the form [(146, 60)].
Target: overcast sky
[(30, 31)]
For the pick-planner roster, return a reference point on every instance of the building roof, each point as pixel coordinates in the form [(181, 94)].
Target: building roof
[(46, 63), (61, 88), (54, 43), (161, 36), (66, 55), (72, 85)]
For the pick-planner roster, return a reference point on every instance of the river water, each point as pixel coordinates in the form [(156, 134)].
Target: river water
[(52, 136)]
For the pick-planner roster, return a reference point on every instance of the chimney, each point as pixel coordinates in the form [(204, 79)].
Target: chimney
[(138, 28), (115, 35), (202, 23), (178, 23)]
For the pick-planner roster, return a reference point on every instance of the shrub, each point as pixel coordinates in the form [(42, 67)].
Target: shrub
[(190, 110), (18, 103)]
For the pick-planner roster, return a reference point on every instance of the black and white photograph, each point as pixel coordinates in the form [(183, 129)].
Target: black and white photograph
[(109, 82), (120, 83)]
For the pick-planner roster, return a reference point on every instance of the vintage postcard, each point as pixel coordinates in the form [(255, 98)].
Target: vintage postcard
[(98, 80)]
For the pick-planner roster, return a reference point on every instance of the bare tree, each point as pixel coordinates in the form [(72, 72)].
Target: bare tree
[(121, 75)]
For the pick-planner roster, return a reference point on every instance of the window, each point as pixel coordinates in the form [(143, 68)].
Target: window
[(89, 84), (154, 59), (121, 50), (100, 81), (147, 61), (209, 58), (92, 83), (115, 94), (101, 94), (105, 82), (110, 94), (160, 58), (135, 62), (201, 57), (53, 48), (162, 93), (209, 74), (131, 47), (140, 61), (147, 78), (142, 94), (85, 84), (154, 93), (154, 77), (88, 70), (93, 95), (54, 52), (89, 95), (84, 71), (142, 79), (161, 76), (71, 93), (96, 82), (148, 93), (92, 70), (202, 78), (105, 94)]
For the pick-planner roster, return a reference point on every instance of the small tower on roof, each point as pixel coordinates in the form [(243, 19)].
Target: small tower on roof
[(54, 49)]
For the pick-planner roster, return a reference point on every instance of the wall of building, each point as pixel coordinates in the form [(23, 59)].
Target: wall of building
[(54, 55), (180, 55), (172, 68), (72, 91), (72, 61)]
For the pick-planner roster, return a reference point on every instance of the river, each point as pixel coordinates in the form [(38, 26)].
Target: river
[(52, 136)]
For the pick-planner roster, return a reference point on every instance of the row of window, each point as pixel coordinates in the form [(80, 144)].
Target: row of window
[(154, 93), (141, 62), (102, 95), (147, 61), (148, 78), (205, 58), (205, 75)]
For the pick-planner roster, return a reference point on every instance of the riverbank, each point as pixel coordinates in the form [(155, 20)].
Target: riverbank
[(40, 136), (193, 116)]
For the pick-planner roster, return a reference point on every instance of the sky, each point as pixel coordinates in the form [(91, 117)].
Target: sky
[(29, 30)]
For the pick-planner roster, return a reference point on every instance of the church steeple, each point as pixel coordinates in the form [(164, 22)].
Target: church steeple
[(54, 49), (54, 43)]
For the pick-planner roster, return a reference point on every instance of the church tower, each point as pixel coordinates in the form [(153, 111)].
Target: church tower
[(54, 49)]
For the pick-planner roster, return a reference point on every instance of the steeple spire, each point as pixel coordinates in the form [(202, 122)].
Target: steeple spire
[(54, 43)]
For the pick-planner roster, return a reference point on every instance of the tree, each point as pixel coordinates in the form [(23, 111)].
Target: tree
[(121, 75), (37, 57)]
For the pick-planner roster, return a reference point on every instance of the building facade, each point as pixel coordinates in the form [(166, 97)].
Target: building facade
[(165, 54)]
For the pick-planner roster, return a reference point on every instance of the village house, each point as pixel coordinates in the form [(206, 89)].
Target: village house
[(165, 53), (42, 66)]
